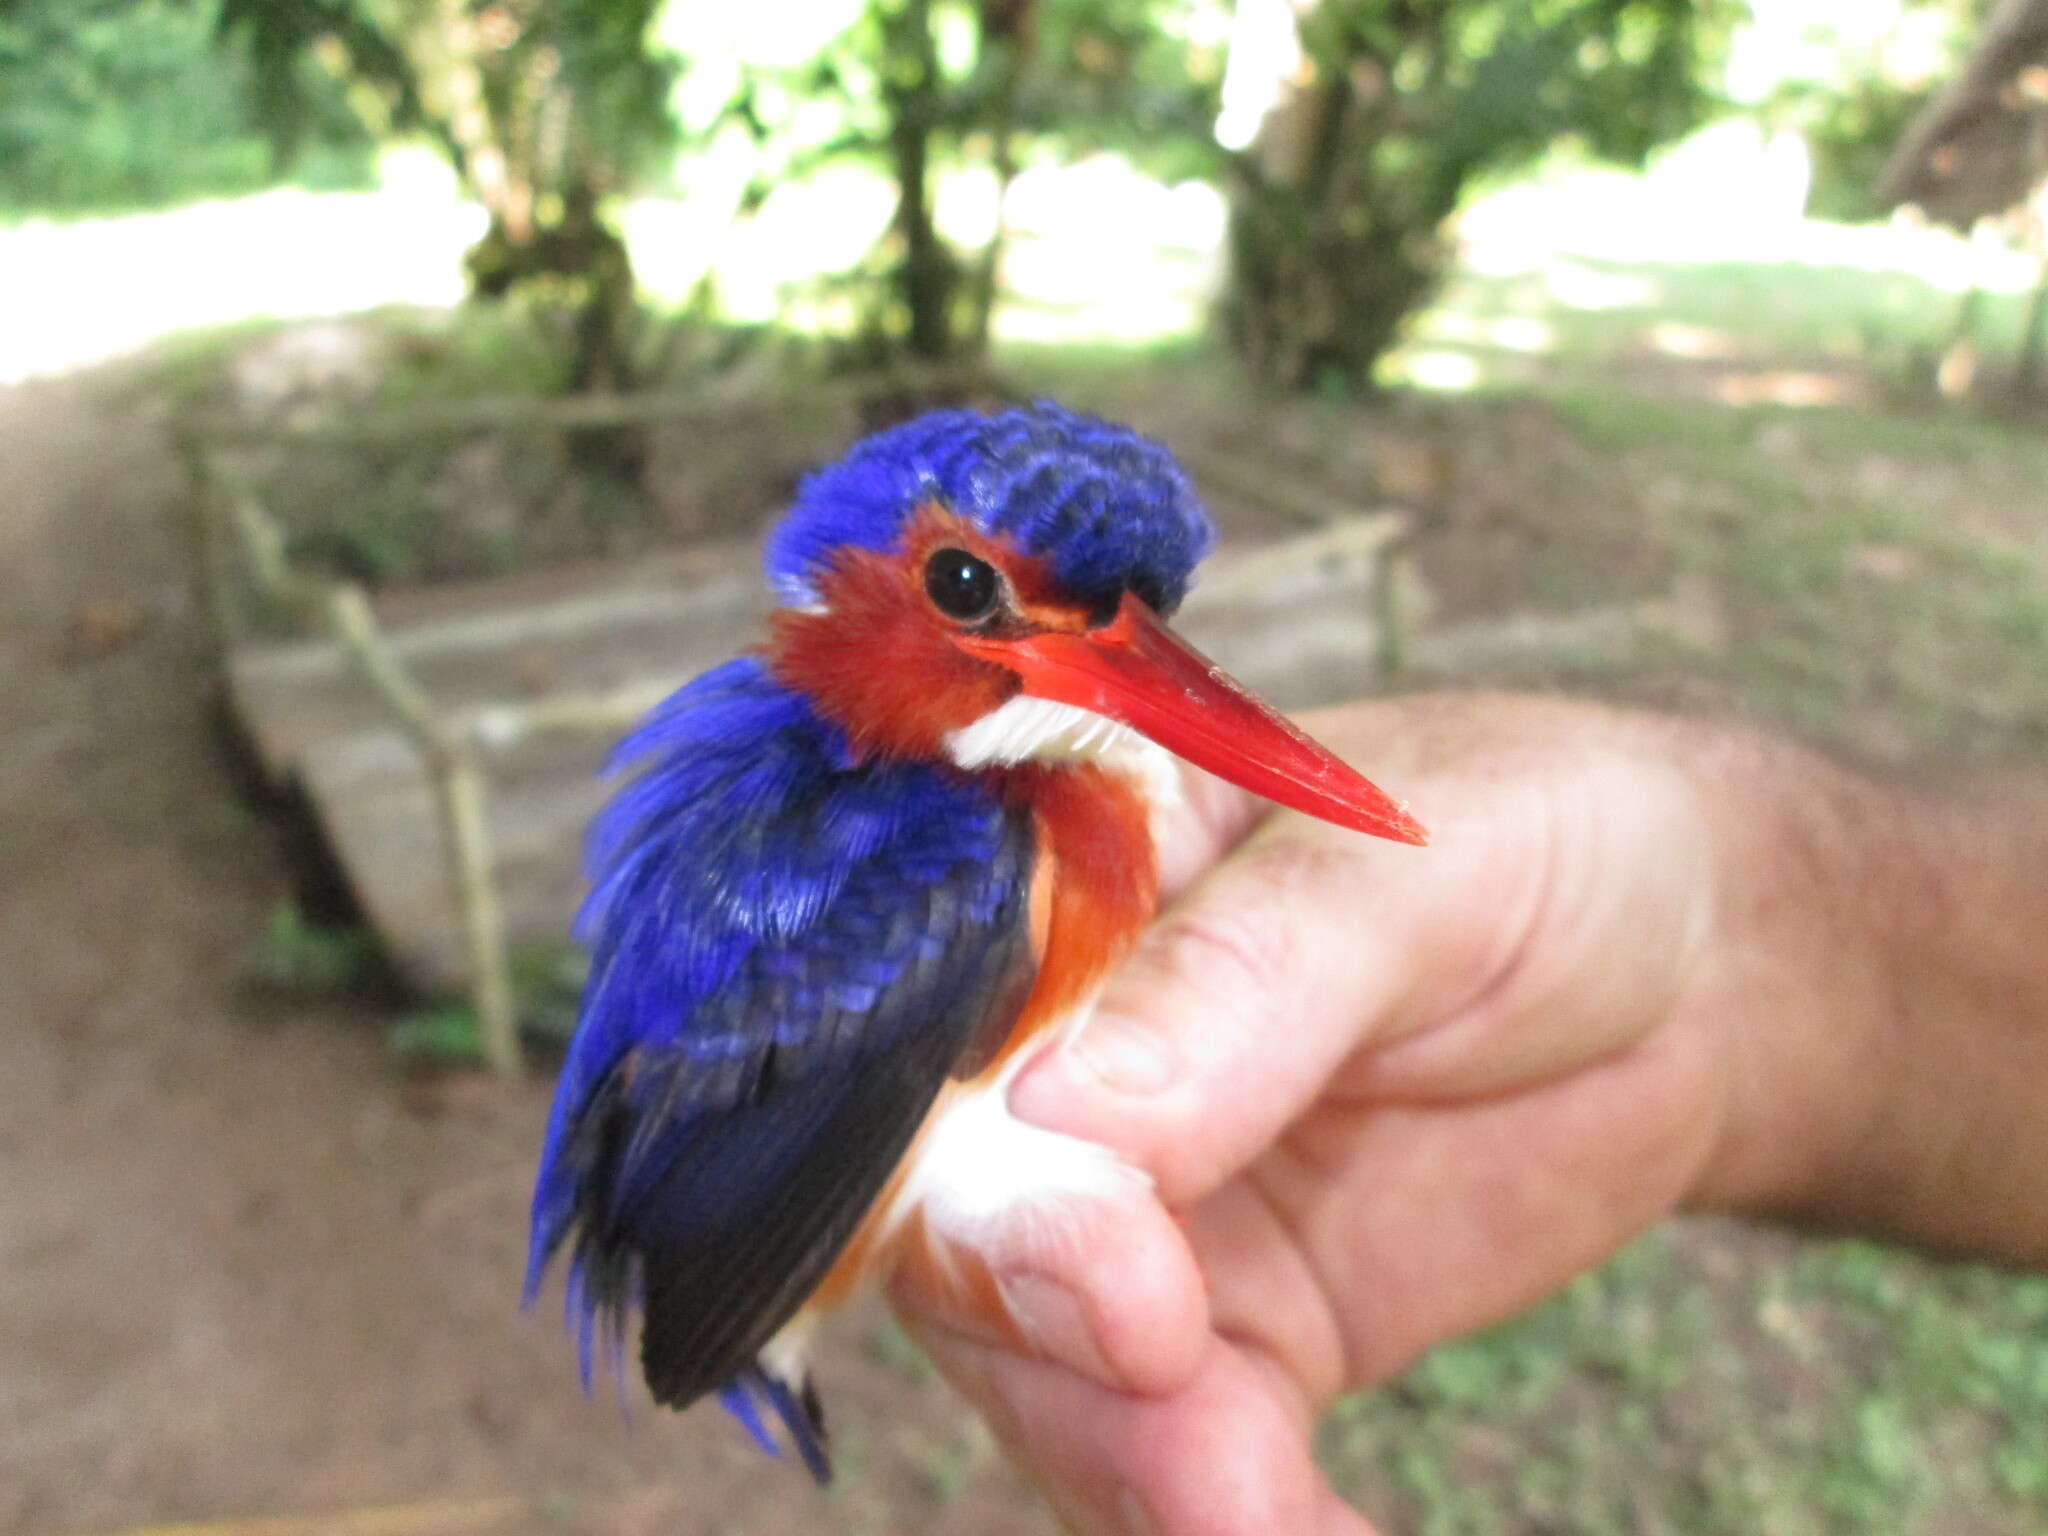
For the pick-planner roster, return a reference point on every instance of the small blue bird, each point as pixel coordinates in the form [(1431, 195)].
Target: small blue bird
[(863, 873)]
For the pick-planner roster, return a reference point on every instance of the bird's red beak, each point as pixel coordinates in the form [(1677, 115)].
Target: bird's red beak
[(1137, 671)]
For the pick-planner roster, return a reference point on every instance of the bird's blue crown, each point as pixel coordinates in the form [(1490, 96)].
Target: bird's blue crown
[(1108, 509)]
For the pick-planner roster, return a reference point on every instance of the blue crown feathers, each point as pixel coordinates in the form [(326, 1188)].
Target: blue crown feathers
[(1107, 508)]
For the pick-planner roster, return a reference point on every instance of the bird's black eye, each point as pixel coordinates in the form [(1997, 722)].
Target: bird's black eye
[(962, 586)]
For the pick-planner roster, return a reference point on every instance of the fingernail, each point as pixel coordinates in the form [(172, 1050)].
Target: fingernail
[(1127, 1056), (1054, 1323), (1111, 1052)]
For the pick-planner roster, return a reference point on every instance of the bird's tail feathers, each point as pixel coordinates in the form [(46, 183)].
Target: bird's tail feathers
[(793, 1402)]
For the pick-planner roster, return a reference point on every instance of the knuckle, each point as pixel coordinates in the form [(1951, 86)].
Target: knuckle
[(1246, 943), (1222, 955)]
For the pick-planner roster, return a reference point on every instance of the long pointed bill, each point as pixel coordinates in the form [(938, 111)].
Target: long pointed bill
[(1138, 671)]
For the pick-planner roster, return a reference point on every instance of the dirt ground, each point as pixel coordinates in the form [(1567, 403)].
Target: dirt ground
[(247, 1269)]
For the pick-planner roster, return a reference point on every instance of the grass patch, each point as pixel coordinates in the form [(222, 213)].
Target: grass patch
[(1845, 1388), (897, 1352), (547, 982), (449, 1036), (1891, 324), (1886, 575), (296, 955)]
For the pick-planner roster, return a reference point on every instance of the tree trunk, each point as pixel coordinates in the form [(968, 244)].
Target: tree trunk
[(2033, 338), (1331, 243), (1006, 41), (580, 252), (925, 277), (1320, 285)]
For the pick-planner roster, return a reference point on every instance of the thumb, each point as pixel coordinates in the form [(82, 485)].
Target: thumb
[(1242, 1000)]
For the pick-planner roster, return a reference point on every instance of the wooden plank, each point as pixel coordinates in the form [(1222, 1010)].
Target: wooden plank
[(385, 833), (585, 630)]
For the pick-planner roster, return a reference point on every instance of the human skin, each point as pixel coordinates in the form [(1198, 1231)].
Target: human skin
[(1389, 1095)]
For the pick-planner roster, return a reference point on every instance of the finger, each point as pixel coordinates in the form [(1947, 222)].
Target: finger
[(1618, 934), (1197, 822), (1266, 1290), (1418, 1224), (1107, 1288), (1227, 1455), (1242, 1000)]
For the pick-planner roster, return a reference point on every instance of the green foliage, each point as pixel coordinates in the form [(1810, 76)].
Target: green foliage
[(886, 90), (1140, 77), (110, 104), (292, 44), (1851, 91), (948, 1468), (603, 52), (896, 1351), (1816, 1390), (923, 90), (1339, 206), (439, 1036), (547, 980), (527, 98), (1850, 133), (294, 955), (546, 110)]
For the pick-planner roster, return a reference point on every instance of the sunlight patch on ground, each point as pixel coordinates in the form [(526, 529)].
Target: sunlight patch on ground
[(1729, 193), (1695, 343), (1434, 368), (1520, 333), (1783, 387), (1574, 285), (1097, 251), (83, 291)]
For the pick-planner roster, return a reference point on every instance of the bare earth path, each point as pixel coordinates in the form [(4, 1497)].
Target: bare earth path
[(246, 1269)]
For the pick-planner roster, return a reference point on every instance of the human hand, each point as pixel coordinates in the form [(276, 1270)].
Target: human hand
[(1391, 1095)]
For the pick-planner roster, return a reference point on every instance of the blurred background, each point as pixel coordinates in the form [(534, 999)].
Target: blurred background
[(392, 393)]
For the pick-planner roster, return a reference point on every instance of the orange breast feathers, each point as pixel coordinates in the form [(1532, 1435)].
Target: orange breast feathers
[(1092, 890)]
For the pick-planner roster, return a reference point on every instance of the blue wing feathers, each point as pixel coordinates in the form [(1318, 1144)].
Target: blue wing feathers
[(786, 946)]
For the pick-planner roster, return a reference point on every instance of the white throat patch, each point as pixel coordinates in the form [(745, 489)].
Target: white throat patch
[(1028, 730)]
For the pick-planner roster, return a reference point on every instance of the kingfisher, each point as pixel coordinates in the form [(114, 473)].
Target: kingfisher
[(858, 876)]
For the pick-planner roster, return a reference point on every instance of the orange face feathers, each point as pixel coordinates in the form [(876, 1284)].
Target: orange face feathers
[(879, 656)]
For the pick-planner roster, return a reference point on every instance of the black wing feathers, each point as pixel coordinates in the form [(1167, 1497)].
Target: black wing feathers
[(792, 947), (736, 1212)]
